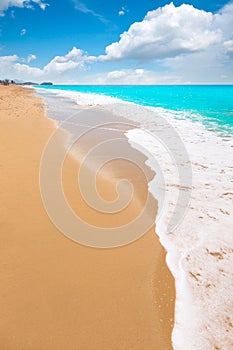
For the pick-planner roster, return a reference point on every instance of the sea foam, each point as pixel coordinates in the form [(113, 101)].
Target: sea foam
[(200, 249)]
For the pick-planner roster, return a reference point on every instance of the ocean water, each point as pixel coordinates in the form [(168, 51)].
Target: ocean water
[(210, 105), (186, 134)]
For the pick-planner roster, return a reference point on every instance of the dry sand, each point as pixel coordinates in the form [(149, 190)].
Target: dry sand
[(55, 293)]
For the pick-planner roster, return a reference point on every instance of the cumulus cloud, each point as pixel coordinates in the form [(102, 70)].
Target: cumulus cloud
[(166, 32), (12, 69), (224, 19), (212, 65), (23, 70), (75, 59), (7, 60), (5, 4)]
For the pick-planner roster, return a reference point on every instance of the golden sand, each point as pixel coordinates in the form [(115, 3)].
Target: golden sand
[(55, 293)]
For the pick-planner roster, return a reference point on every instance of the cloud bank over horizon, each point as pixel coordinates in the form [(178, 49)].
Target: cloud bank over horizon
[(171, 45)]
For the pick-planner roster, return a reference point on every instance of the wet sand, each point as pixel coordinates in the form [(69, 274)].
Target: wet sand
[(58, 294)]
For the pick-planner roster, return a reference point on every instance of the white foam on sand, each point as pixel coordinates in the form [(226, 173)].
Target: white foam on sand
[(200, 247), (82, 99)]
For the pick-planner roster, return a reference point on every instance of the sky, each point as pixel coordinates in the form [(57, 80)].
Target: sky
[(117, 42)]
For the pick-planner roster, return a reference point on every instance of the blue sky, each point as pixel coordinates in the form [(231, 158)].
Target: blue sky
[(74, 41)]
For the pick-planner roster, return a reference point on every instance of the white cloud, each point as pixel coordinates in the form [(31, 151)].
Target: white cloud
[(123, 11), (27, 72), (75, 59), (83, 8), (12, 69), (31, 58), (23, 32), (5, 4), (42, 5), (213, 65), (228, 46), (166, 32), (135, 77), (116, 74), (224, 19), (7, 60), (72, 63)]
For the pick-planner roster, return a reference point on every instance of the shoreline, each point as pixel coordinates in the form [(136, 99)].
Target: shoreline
[(57, 293), (102, 97), (199, 276)]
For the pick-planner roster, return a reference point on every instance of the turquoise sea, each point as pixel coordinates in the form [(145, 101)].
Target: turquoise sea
[(212, 105)]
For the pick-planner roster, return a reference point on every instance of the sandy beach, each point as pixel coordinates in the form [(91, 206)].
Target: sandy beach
[(58, 294), (116, 175)]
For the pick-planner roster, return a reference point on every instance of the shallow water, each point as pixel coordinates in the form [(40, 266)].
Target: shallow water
[(211, 105)]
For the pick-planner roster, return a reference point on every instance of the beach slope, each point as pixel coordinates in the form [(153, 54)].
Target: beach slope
[(55, 293)]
